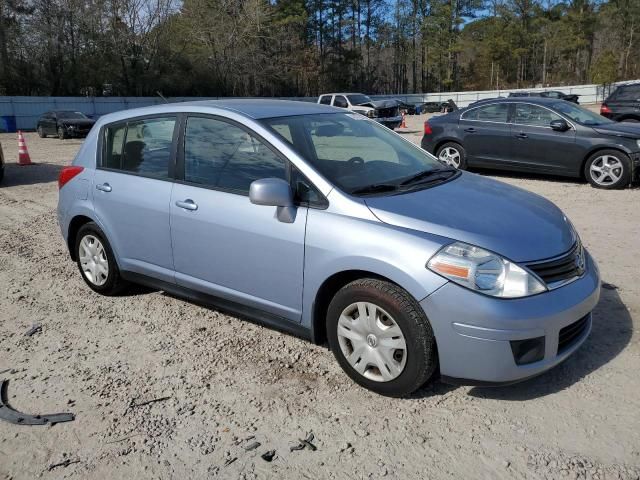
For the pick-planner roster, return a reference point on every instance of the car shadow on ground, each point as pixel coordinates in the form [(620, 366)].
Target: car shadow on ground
[(611, 332), (34, 174)]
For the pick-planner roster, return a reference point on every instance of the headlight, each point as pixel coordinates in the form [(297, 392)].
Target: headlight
[(483, 271), (638, 142)]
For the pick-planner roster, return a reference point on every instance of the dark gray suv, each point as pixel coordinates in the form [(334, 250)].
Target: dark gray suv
[(623, 105), (538, 135)]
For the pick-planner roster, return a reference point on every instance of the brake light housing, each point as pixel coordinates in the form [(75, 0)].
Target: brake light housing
[(427, 128), (68, 173)]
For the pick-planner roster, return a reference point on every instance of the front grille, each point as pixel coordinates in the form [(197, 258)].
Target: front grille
[(387, 112), (570, 333), (559, 269)]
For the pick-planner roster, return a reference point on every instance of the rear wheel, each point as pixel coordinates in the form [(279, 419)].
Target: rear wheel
[(608, 169), (453, 154), (61, 133), (96, 261), (381, 337), (41, 133)]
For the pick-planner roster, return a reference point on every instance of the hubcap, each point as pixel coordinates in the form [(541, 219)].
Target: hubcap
[(450, 156), (606, 170), (372, 342), (93, 260)]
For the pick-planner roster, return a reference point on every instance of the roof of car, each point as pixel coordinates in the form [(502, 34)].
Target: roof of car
[(540, 100), (258, 108)]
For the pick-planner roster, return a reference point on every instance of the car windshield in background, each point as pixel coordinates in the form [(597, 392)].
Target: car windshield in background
[(358, 155), (358, 99), (72, 115), (580, 115)]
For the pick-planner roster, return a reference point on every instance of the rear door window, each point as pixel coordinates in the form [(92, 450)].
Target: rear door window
[(497, 112), (143, 147), (340, 101), (325, 100)]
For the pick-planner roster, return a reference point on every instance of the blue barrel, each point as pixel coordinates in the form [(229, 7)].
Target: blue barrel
[(8, 124)]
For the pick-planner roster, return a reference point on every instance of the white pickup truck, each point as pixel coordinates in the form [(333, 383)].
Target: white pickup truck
[(385, 112)]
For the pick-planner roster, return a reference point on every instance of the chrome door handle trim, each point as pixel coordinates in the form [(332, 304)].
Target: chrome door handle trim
[(187, 204), (104, 187)]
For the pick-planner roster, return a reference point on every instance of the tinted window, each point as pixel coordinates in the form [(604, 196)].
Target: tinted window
[(498, 112), (147, 147), (340, 101), (325, 100), (533, 115), (71, 115), (580, 114), (219, 154), (628, 93), (358, 99)]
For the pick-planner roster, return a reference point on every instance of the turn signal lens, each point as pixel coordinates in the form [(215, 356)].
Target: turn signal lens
[(66, 174), (604, 109), (484, 271)]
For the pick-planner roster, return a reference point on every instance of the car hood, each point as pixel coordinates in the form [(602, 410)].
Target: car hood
[(513, 222), (78, 122), (379, 104), (622, 129)]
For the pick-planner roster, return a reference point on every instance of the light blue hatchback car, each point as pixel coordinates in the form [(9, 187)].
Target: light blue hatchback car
[(322, 223)]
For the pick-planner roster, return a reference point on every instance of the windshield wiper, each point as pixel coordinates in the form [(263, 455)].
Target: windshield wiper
[(376, 188), (432, 175)]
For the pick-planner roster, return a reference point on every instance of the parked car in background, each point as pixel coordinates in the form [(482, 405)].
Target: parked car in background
[(385, 112), (623, 104), (573, 98), (434, 107), (407, 263), (1, 163), (64, 124), (538, 135)]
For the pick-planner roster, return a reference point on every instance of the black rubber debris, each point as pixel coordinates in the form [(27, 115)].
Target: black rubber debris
[(268, 456), (35, 328), (252, 446), (609, 286), (13, 416), (65, 464), (305, 443), (230, 461)]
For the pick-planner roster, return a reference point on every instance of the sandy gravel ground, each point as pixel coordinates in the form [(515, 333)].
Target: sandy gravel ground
[(231, 382)]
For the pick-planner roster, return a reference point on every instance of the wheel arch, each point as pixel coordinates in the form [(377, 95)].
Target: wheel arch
[(441, 142), (72, 232), (327, 291)]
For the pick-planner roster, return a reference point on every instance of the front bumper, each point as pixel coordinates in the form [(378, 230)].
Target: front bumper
[(473, 331)]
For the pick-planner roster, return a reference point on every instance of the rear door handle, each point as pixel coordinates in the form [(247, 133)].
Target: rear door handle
[(104, 187), (522, 135), (187, 204), (470, 130)]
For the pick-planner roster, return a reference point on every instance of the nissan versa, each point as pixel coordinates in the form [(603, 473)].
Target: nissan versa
[(328, 225)]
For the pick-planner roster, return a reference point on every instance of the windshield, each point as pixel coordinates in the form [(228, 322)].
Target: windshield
[(580, 114), (358, 99), (355, 153), (71, 115)]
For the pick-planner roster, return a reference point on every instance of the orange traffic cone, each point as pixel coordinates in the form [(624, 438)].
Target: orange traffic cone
[(403, 124), (23, 153)]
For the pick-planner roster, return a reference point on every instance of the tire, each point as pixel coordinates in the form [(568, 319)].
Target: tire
[(616, 175), (109, 284), (41, 133), (61, 133), (453, 148), (405, 320)]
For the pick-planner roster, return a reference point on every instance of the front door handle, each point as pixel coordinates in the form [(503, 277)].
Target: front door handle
[(522, 135), (470, 130), (187, 204), (104, 187)]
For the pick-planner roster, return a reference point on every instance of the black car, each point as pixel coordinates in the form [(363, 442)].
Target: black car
[(623, 105), (569, 97), (64, 124), (538, 135)]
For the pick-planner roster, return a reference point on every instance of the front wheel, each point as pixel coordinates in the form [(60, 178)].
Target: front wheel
[(96, 261), (453, 154), (61, 133), (608, 169), (381, 337)]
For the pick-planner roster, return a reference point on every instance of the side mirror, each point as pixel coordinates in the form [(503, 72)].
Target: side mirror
[(274, 192), (559, 125)]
